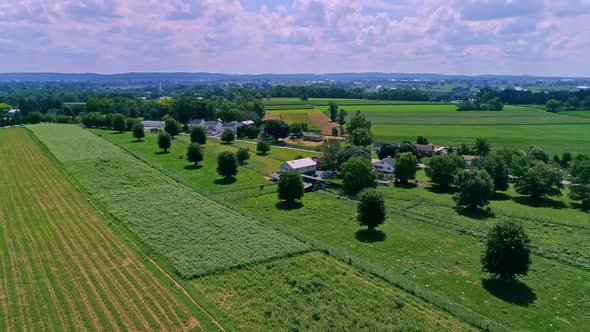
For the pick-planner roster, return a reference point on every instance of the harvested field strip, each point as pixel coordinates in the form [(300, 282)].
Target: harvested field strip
[(196, 235), (62, 267)]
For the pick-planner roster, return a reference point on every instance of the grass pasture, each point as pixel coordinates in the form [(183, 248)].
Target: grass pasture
[(194, 234), (62, 267)]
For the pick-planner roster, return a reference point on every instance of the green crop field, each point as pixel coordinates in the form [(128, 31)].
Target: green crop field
[(426, 241), (195, 235), (62, 267), (315, 292)]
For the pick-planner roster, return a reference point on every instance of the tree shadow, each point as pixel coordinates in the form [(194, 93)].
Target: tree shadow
[(193, 166), (479, 214), (441, 190), (543, 202), (162, 152), (136, 141), (117, 133), (407, 185), (500, 197), (370, 236), (288, 206), (225, 181), (512, 291)]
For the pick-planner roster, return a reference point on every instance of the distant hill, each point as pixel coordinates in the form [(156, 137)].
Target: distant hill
[(304, 77)]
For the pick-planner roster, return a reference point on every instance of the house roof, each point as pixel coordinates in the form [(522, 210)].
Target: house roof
[(389, 161), (468, 157), (248, 122), (231, 124), (300, 163), (13, 111), (155, 124), (426, 147), (212, 123), (196, 121)]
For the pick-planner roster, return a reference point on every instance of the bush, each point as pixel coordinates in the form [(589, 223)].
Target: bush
[(228, 136), (441, 169), (507, 252), (164, 141), (242, 155), (227, 164), (199, 135), (138, 131), (358, 174), (405, 167), (194, 153), (263, 147), (371, 209), (475, 188), (290, 186)]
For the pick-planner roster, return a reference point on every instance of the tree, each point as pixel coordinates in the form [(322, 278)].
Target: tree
[(172, 127), (198, 135), (464, 150), (421, 140), (242, 155), (586, 103), (334, 131), (341, 119), (358, 174), (352, 151), (387, 150), (296, 130), (475, 188), (442, 168), (119, 123), (138, 131), (580, 189), (497, 168), (361, 137), (507, 252), (405, 167), (538, 154), (194, 153), (276, 129), (262, 147), (290, 186), (333, 109), (228, 136), (227, 164), (130, 122), (566, 158), (540, 180), (358, 121), (495, 104), (371, 209), (249, 131), (330, 150), (164, 141), (553, 106), (572, 104), (481, 147)]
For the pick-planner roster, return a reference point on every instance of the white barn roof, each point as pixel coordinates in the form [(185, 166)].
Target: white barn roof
[(300, 163)]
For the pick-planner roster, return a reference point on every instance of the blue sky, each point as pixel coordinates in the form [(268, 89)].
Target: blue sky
[(537, 37)]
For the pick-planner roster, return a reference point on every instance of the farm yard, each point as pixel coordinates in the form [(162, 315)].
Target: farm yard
[(63, 267), (425, 241), (444, 125)]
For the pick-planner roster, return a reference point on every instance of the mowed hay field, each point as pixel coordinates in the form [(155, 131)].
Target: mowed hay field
[(195, 235), (517, 127), (62, 267)]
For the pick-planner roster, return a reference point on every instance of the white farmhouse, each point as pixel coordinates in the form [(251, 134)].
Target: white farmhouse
[(384, 166), (303, 166)]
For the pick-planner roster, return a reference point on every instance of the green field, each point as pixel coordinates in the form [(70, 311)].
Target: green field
[(426, 242), (63, 268), (196, 235)]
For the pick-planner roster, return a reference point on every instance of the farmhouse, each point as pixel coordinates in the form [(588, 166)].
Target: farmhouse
[(152, 125), (233, 126), (195, 123), (214, 127), (384, 166), (431, 149), (303, 166)]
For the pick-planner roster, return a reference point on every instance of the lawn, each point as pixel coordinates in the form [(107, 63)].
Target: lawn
[(315, 292), (194, 234), (63, 267)]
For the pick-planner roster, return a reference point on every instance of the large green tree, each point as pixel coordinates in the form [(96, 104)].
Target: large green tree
[(290, 186), (474, 188), (330, 150), (119, 123), (580, 189), (497, 168), (138, 131), (227, 164), (540, 180), (194, 153), (164, 141), (405, 167), (276, 129), (198, 135), (442, 168), (507, 252), (357, 174), (172, 127), (262, 147), (228, 136), (481, 147), (333, 109), (371, 209), (358, 121), (242, 155), (553, 106), (361, 137)]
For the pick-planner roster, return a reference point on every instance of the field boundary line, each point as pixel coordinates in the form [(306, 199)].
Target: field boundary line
[(108, 216), (466, 314)]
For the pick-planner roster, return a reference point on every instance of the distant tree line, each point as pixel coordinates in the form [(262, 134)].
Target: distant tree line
[(513, 96), (314, 91)]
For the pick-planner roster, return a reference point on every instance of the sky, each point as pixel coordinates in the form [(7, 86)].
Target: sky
[(534, 37)]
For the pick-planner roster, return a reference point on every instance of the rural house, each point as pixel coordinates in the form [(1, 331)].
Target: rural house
[(152, 125), (303, 166), (195, 123), (214, 127), (384, 166), (430, 149), (233, 126)]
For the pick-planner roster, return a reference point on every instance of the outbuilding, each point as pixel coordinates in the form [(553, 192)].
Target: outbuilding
[(303, 166)]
